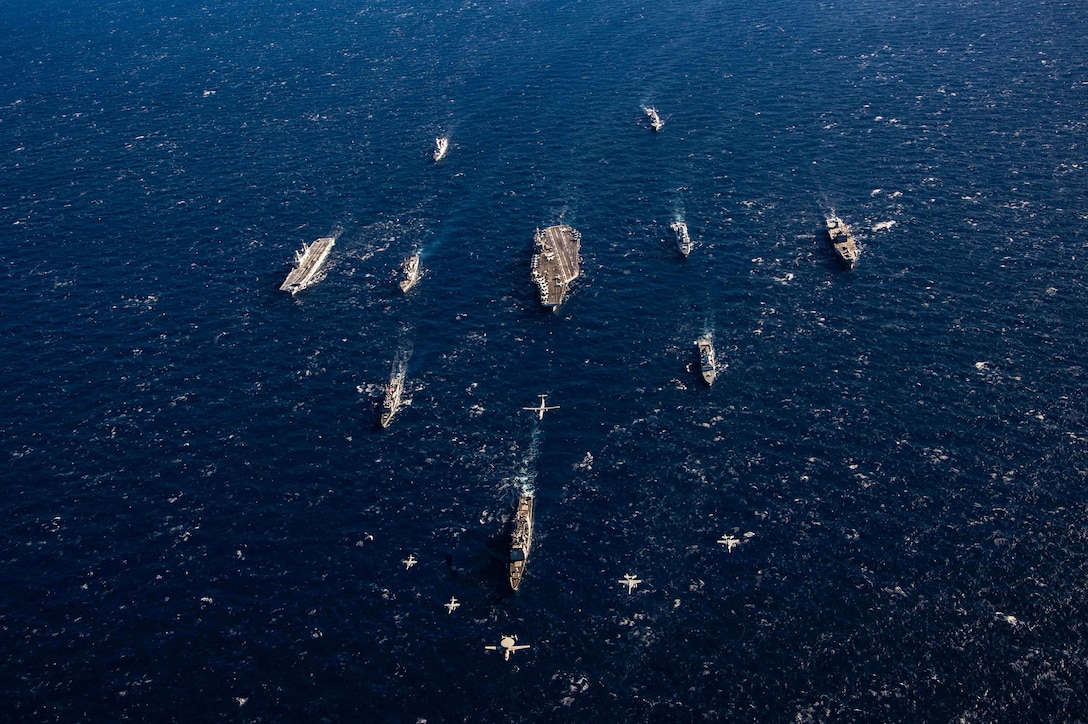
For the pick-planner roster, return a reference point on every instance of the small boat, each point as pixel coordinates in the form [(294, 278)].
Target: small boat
[(521, 540), (842, 241), (655, 120), (707, 359), (683, 241), (392, 400), (411, 273), (441, 145)]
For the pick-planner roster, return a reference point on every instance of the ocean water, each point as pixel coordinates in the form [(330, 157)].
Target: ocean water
[(203, 522)]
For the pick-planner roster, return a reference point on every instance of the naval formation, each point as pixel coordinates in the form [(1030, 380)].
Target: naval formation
[(555, 265)]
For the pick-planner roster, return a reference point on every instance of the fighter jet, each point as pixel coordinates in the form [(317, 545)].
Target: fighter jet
[(729, 542), (542, 407), (409, 561), (508, 645), (453, 604), (630, 581)]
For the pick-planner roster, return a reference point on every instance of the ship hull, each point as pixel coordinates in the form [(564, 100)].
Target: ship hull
[(521, 540), (708, 365), (842, 241), (307, 265), (556, 263)]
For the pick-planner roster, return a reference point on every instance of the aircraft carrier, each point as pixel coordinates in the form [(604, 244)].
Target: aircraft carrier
[(308, 263), (556, 263), (521, 540)]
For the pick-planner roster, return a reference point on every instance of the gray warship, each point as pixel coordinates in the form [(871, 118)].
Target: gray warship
[(308, 263), (683, 241), (556, 263), (392, 401), (521, 540), (842, 241), (410, 272), (655, 120), (441, 145), (707, 358)]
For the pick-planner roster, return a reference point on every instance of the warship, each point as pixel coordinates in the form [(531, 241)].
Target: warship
[(441, 145), (411, 273), (842, 241), (521, 540), (556, 263), (655, 120), (683, 241), (308, 263), (707, 364), (392, 398)]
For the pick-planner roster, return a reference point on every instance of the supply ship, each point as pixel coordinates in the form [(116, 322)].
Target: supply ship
[(410, 272), (441, 145), (655, 120), (556, 263), (842, 241), (707, 359), (392, 398), (308, 263), (521, 540), (683, 241)]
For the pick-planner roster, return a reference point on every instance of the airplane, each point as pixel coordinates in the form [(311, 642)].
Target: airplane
[(409, 561), (630, 581), (729, 542), (508, 645), (453, 604), (542, 407)]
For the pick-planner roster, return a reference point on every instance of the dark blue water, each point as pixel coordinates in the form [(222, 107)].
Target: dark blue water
[(202, 522)]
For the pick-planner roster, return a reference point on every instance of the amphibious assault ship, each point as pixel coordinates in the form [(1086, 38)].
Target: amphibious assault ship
[(683, 241), (521, 540), (411, 273), (441, 145), (842, 241), (392, 398), (707, 359), (556, 263), (655, 120), (308, 263)]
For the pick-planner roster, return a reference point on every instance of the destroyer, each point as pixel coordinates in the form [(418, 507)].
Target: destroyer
[(441, 145), (392, 398), (521, 540), (842, 241), (556, 263), (655, 120), (683, 241), (308, 263), (411, 273), (707, 361)]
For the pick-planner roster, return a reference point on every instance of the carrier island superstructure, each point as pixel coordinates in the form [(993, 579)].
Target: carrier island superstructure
[(308, 263), (556, 263)]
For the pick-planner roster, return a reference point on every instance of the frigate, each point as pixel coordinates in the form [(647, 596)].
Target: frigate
[(683, 241), (392, 401), (441, 145), (655, 120), (410, 273), (707, 359), (521, 540), (842, 241)]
